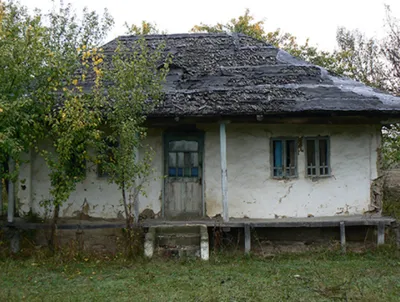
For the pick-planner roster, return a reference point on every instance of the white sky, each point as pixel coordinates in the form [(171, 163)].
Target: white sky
[(316, 19)]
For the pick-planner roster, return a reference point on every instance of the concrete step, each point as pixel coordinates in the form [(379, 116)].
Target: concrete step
[(177, 241), (189, 251), (180, 239), (180, 229)]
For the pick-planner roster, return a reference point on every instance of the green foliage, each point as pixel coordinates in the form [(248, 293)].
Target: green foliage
[(136, 86), (376, 63), (21, 64), (71, 128), (146, 28)]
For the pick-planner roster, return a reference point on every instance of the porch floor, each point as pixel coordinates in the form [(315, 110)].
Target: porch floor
[(329, 221), (98, 223)]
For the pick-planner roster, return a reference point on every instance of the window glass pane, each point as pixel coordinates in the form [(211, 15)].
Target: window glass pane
[(290, 159), (171, 171), (187, 164), (183, 145), (195, 172), (180, 171), (172, 159), (194, 159), (310, 153), (277, 147), (323, 152), (180, 159)]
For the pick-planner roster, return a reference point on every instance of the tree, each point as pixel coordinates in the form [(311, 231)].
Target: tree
[(41, 94), (361, 58), (133, 80), (247, 25), (71, 117), (21, 66), (391, 51), (146, 28), (375, 63)]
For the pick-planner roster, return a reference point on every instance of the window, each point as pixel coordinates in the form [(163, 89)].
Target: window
[(183, 158), (317, 156), (284, 159)]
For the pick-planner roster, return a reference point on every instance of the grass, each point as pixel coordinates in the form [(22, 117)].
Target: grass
[(317, 277)]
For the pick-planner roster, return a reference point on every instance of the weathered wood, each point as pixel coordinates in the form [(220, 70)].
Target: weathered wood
[(397, 232), (224, 172), (15, 240), (381, 233), (343, 236), (11, 197), (315, 222), (247, 239), (183, 193)]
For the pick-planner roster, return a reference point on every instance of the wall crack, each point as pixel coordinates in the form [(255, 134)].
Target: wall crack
[(287, 193)]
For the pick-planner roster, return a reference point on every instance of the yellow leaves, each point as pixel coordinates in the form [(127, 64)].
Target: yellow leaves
[(98, 71), (97, 61), (75, 82), (64, 89), (1, 110)]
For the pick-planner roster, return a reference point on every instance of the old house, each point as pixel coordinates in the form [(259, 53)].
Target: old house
[(247, 133)]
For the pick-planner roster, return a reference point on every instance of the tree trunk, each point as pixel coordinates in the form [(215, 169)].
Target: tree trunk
[(126, 207), (53, 235)]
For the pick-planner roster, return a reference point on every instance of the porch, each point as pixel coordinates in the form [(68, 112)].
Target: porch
[(247, 225)]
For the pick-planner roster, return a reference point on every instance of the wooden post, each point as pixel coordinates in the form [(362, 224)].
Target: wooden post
[(224, 172), (397, 230), (381, 233), (247, 239), (343, 236), (10, 212)]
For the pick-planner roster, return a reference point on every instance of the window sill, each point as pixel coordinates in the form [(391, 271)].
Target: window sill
[(284, 177), (316, 178)]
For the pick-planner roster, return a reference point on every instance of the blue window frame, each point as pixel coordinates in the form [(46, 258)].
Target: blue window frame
[(284, 157)]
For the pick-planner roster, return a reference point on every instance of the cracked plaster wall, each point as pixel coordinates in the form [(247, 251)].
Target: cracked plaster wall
[(95, 196), (253, 193), (251, 190)]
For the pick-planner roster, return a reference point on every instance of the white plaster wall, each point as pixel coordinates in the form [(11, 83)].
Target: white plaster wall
[(95, 194), (252, 192)]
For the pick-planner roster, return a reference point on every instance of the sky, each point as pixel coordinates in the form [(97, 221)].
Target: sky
[(314, 19)]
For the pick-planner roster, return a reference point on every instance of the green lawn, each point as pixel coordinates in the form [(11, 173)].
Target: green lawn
[(317, 277)]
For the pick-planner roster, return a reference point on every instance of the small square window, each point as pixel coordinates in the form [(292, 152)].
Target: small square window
[(317, 157), (284, 157)]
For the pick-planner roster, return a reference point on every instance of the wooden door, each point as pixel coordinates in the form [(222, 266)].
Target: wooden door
[(183, 195)]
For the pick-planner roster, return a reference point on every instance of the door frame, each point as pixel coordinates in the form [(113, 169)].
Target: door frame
[(182, 133)]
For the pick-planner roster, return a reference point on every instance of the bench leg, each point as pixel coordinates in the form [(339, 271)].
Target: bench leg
[(247, 239), (381, 233), (343, 236)]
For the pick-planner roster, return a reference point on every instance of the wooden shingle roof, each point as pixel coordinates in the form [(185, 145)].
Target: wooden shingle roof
[(223, 74)]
